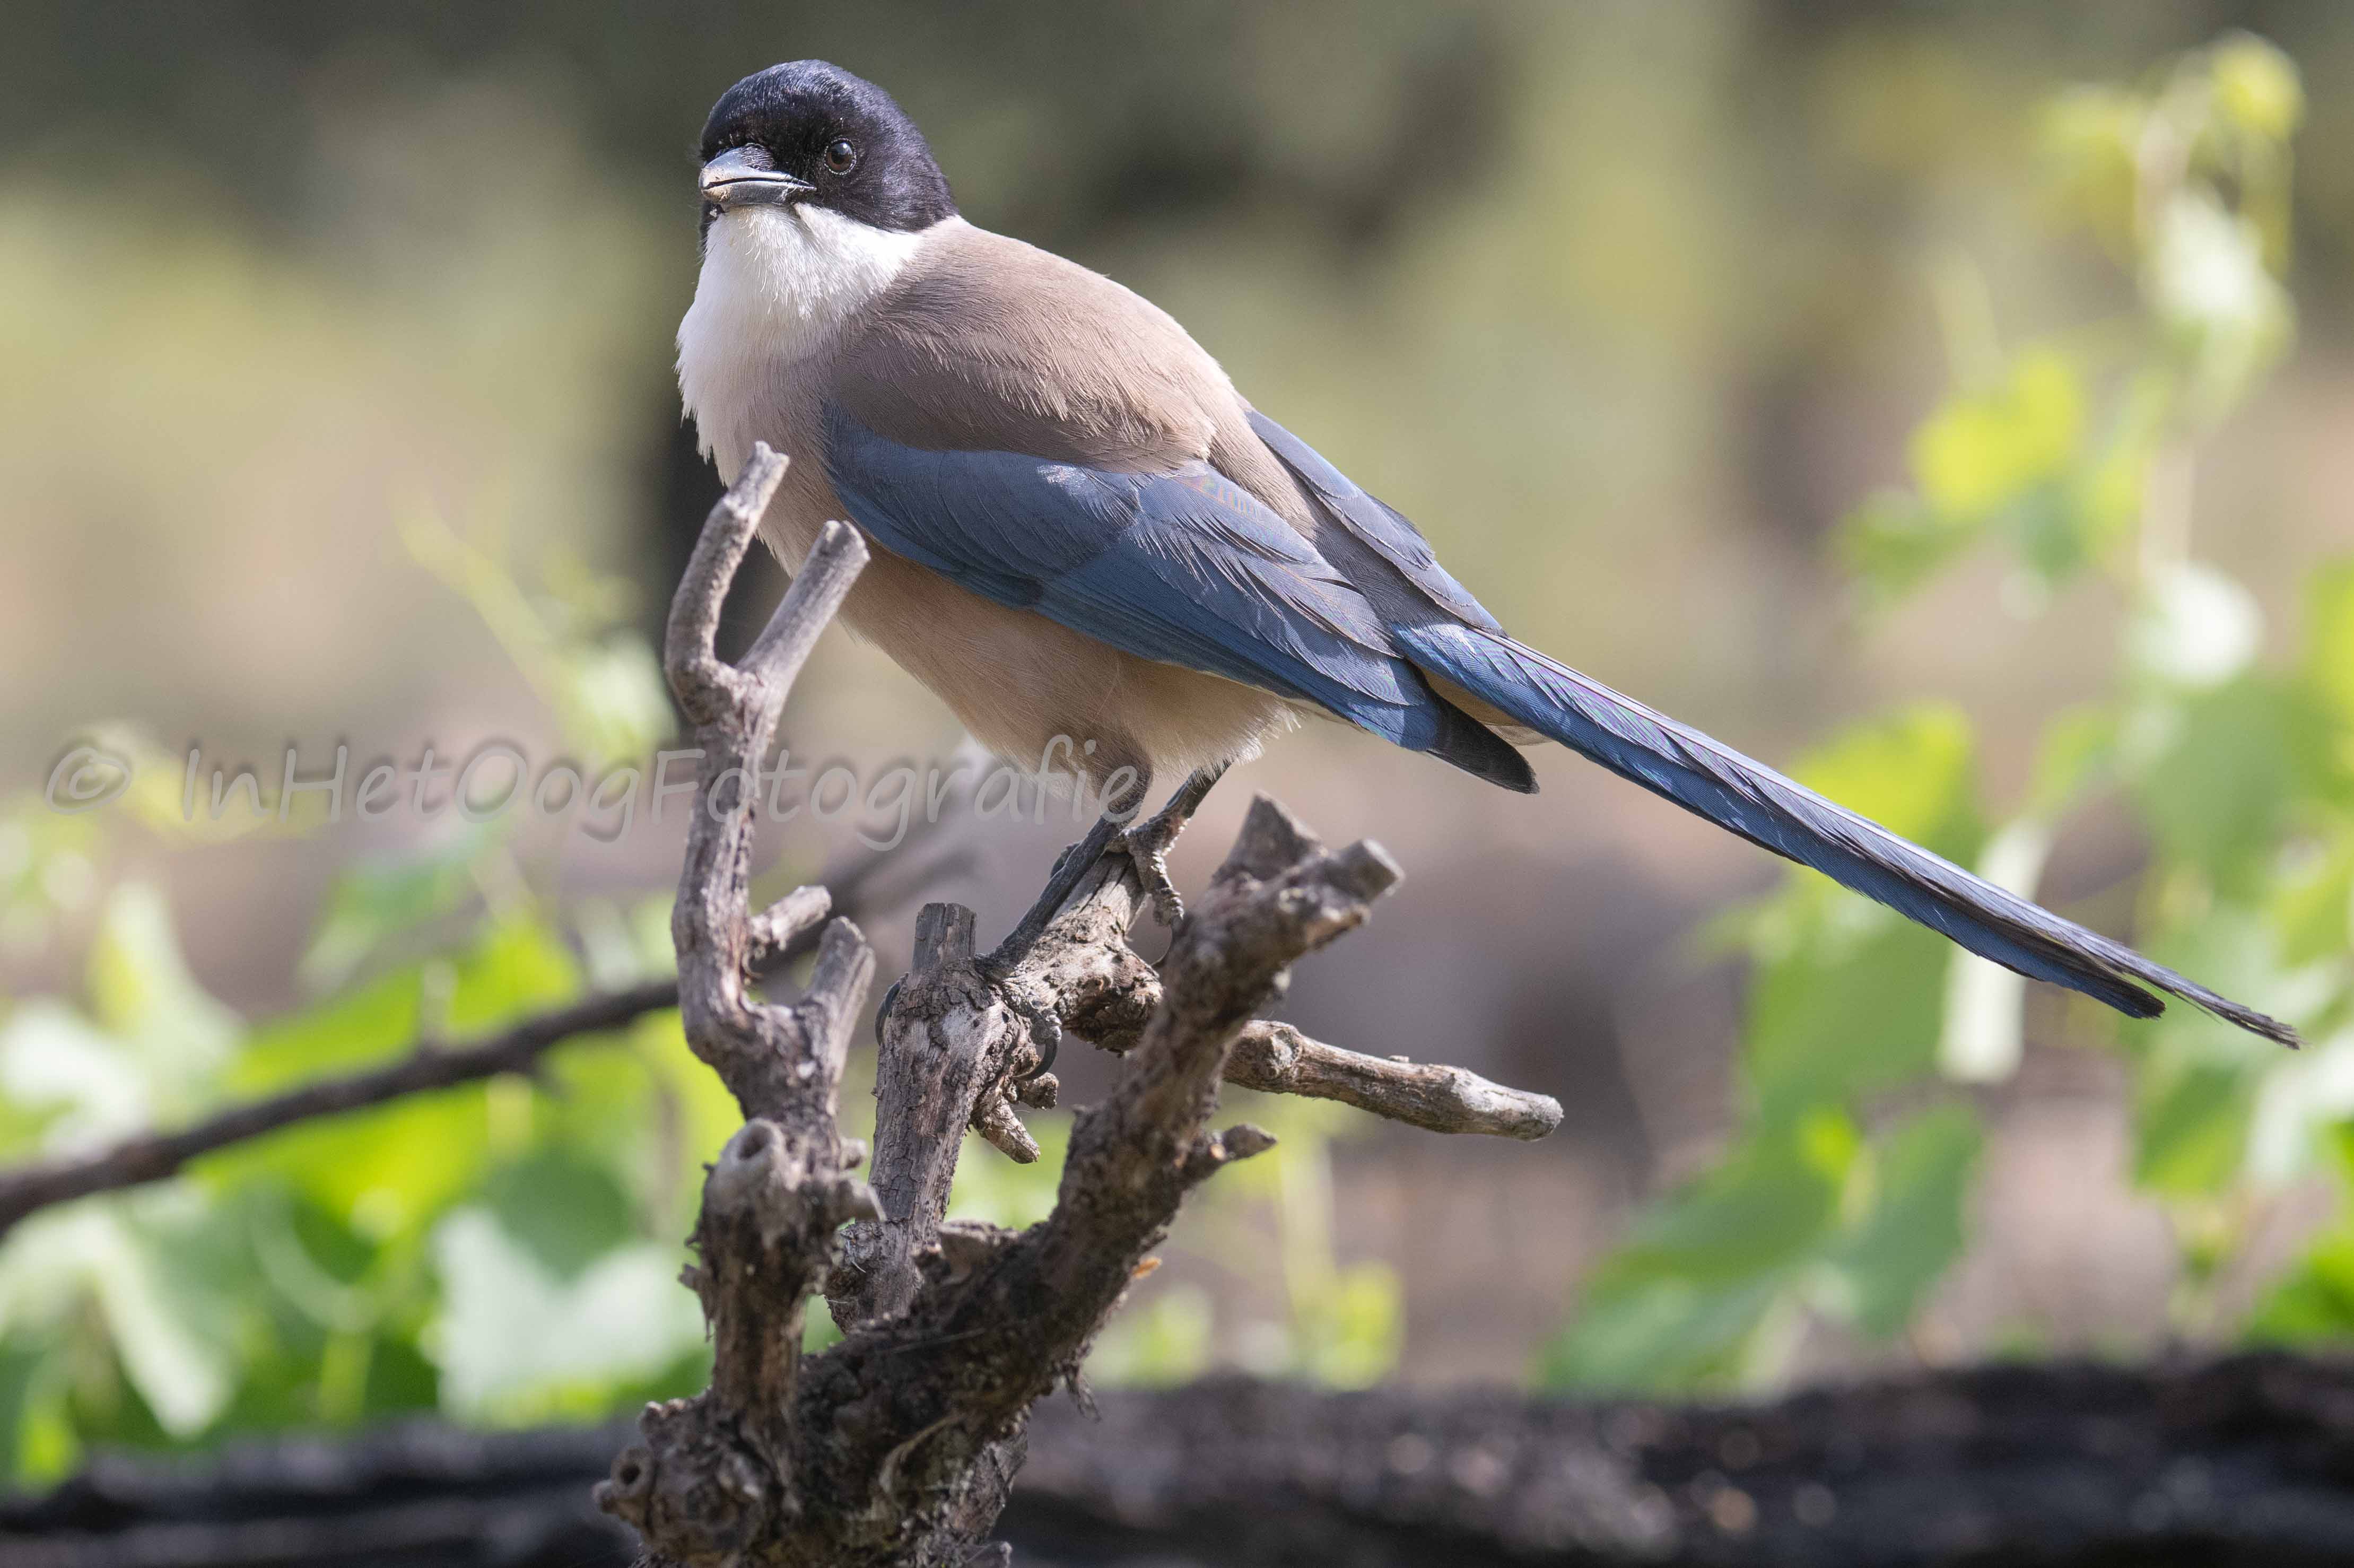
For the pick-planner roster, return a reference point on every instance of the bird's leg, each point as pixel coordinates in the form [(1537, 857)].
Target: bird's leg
[(1146, 846), (1148, 842), (1072, 867)]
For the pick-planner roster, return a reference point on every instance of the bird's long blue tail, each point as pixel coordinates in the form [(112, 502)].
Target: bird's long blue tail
[(1792, 820)]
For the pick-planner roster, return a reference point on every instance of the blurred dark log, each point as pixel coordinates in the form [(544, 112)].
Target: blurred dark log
[(2246, 1460), (2249, 1460)]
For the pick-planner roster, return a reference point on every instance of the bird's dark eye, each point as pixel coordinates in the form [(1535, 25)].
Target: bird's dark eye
[(841, 156)]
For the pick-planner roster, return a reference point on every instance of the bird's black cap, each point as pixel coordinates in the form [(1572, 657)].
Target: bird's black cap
[(811, 119)]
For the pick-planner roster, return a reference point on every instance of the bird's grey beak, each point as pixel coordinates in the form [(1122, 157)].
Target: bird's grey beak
[(741, 177)]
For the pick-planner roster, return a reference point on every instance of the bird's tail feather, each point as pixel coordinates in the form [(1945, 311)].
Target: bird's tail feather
[(1786, 817)]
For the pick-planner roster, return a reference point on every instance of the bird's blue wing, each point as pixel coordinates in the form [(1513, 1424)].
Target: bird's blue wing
[(1377, 525), (1184, 567)]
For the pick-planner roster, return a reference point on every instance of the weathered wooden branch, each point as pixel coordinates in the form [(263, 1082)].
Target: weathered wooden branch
[(898, 1445), (1086, 977)]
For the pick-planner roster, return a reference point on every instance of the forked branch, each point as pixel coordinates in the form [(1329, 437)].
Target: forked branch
[(898, 1445)]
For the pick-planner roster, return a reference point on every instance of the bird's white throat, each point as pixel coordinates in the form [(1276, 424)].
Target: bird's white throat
[(777, 285)]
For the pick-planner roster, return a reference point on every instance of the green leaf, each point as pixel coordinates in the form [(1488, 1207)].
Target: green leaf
[(23, 1362), (2217, 797), (520, 965), (2297, 1099), (1985, 451), (162, 1278), (1895, 543), (2108, 486), (2191, 1118), (2312, 902), (384, 1171), (1653, 1335), (141, 993), (177, 1302), (2078, 747), (69, 1082), (2326, 670), (1166, 1341), (565, 1212), (38, 1445), (2049, 532), (372, 902), (1857, 1005), (1349, 1334), (1762, 1209), (2314, 1303), (389, 1171), (2237, 951), (1914, 1229), (695, 1105), (511, 1337), (1847, 996), (2256, 87), (354, 1029)]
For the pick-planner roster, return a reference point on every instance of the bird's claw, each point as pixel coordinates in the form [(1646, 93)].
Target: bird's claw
[(1147, 844), (1045, 1028), (890, 1000), (1147, 847)]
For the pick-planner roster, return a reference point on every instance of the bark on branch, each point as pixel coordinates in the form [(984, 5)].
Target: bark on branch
[(898, 1445)]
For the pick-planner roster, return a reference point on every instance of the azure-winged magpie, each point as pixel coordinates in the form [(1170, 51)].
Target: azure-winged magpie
[(1086, 533)]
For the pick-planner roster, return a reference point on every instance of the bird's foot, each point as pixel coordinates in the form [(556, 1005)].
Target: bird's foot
[(1070, 869), (1146, 846), (1148, 842), (1045, 1030)]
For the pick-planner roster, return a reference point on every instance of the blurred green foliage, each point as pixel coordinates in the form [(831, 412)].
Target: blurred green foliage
[(506, 1252), (1843, 1196)]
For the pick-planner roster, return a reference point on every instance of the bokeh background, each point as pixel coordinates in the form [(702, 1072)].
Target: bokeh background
[(1796, 367)]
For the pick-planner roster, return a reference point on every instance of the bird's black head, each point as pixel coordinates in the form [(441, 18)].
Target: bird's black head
[(807, 132)]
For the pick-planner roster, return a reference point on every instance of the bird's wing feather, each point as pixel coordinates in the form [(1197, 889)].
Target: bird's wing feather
[(1377, 525), (1185, 567)]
